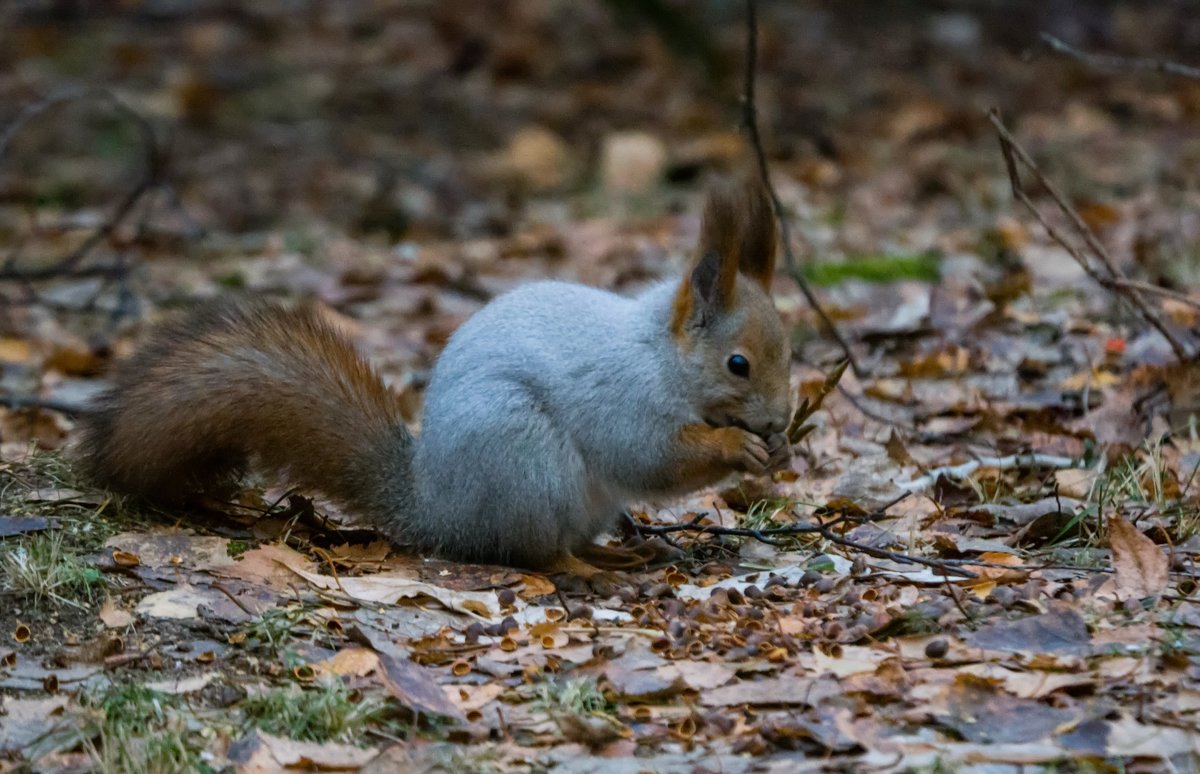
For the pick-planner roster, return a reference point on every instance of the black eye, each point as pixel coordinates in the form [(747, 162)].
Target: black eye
[(739, 366)]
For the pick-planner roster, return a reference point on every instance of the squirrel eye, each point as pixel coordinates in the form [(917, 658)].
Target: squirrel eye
[(739, 366)]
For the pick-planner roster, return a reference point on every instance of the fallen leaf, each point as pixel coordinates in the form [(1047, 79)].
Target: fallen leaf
[(415, 688), (113, 616), (260, 753), (168, 549), (1127, 738), (982, 714), (1075, 482), (181, 603), (24, 721), (350, 661), (1141, 566), (470, 698), (387, 589), (271, 565), (787, 690), (1056, 632)]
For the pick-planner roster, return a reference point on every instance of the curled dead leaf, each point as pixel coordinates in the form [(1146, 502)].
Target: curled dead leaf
[(1141, 567)]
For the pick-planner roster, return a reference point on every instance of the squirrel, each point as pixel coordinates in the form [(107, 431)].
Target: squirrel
[(549, 410)]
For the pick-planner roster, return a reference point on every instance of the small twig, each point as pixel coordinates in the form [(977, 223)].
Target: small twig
[(750, 124), (855, 401), (1112, 276), (1147, 287), (58, 271), (18, 402), (824, 530), (696, 526), (152, 172), (766, 535), (125, 659), (1112, 63), (241, 605), (1003, 463), (957, 602), (941, 566), (321, 552)]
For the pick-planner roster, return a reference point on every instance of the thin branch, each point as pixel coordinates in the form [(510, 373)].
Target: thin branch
[(153, 162), (750, 124), (58, 271), (18, 402), (896, 556), (970, 619), (1111, 277), (1157, 290), (1003, 463), (770, 537), (1119, 64)]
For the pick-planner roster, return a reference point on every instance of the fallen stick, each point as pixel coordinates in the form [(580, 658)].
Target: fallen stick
[(1003, 463)]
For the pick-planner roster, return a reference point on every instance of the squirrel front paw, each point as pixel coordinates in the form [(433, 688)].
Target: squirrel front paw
[(780, 450), (579, 576), (747, 452)]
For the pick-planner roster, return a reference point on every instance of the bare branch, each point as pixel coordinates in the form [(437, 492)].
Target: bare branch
[(772, 535), (1146, 287), (750, 124), (1107, 274), (153, 160), (1035, 460), (18, 402), (1119, 64)]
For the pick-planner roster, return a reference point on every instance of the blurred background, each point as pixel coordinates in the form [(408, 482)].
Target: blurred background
[(403, 161)]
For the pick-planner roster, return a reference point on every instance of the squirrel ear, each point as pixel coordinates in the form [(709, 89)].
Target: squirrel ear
[(756, 256), (714, 274), (708, 288)]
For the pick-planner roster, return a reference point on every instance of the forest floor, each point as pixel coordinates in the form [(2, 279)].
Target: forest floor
[(983, 557)]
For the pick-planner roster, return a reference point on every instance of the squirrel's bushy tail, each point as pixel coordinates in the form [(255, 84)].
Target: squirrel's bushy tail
[(256, 384)]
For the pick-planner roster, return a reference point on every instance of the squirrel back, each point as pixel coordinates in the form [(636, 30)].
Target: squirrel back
[(236, 384)]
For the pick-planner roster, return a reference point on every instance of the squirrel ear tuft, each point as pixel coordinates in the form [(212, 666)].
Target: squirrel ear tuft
[(756, 253), (714, 275), (737, 234)]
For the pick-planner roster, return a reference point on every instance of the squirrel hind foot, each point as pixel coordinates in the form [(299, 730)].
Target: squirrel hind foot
[(621, 557), (582, 576)]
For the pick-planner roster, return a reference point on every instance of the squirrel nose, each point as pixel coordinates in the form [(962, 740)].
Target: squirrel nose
[(775, 426)]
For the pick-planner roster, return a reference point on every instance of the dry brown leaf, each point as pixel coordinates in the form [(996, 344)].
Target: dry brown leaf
[(15, 350), (997, 574), (1141, 566), (388, 589), (534, 586), (1074, 482), (261, 753), (270, 565), (350, 661), (470, 698), (787, 690), (181, 603), (114, 617), (414, 687), (174, 549)]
